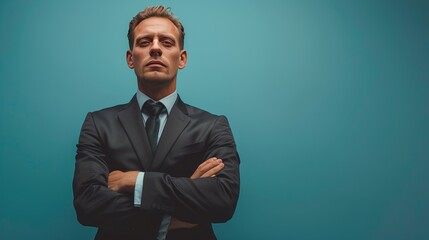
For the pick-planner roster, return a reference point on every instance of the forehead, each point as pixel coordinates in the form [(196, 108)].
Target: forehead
[(155, 26)]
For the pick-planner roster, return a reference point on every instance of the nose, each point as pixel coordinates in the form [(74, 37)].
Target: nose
[(155, 50)]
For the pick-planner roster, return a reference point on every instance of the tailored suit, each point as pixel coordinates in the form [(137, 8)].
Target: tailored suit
[(115, 139)]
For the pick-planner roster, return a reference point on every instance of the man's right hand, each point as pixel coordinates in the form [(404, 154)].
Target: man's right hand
[(209, 168)]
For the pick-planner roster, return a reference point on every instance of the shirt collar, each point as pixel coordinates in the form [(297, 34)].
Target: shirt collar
[(168, 101)]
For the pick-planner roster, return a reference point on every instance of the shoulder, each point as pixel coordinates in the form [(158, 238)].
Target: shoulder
[(113, 110), (192, 111), (198, 112), (108, 114), (216, 127), (200, 116)]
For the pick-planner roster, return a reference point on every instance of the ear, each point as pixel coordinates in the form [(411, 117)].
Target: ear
[(129, 58), (183, 59)]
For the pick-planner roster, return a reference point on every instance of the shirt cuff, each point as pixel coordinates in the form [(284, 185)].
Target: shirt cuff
[(138, 189)]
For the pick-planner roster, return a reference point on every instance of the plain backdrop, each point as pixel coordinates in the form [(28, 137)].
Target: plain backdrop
[(328, 101)]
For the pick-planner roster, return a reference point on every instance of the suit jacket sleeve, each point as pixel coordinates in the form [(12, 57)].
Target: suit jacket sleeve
[(95, 204), (201, 200)]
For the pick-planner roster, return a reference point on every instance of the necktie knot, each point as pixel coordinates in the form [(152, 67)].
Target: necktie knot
[(152, 108)]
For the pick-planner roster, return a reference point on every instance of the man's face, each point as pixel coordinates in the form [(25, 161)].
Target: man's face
[(156, 55)]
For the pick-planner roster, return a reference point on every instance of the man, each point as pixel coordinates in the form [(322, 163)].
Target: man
[(155, 168)]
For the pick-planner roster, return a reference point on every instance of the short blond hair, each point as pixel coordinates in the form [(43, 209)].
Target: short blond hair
[(156, 11)]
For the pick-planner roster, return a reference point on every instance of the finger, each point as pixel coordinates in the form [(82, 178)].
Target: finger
[(115, 175), (213, 171), (116, 172), (111, 186), (208, 161), (210, 165), (204, 167)]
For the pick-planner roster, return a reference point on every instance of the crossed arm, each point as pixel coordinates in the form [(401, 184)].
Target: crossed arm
[(99, 197), (124, 182)]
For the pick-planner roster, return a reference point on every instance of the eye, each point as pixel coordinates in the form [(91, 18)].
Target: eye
[(167, 43), (143, 43)]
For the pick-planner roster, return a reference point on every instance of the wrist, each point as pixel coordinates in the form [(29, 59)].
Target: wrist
[(130, 182)]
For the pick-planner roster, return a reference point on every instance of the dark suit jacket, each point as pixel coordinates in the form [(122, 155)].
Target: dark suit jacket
[(115, 139)]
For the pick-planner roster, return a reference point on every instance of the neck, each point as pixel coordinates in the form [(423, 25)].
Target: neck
[(158, 91)]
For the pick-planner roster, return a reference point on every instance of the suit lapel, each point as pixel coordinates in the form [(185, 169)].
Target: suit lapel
[(176, 122), (132, 121)]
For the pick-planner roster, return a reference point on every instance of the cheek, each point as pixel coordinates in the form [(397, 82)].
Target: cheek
[(138, 57), (175, 59), (137, 60)]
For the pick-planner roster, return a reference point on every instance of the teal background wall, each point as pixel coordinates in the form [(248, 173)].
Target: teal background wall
[(328, 101)]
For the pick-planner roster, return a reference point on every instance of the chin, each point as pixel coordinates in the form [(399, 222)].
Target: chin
[(155, 80)]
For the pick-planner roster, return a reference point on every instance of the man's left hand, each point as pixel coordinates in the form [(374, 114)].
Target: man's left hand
[(122, 181)]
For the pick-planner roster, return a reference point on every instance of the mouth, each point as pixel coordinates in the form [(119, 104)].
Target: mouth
[(155, 63)]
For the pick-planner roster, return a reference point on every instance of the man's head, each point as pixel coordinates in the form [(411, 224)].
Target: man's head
[(156, 51), (156, 11)]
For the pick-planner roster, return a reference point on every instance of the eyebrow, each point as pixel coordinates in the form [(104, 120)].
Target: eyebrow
[(161, 35)]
